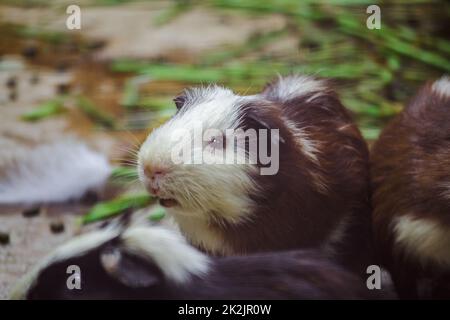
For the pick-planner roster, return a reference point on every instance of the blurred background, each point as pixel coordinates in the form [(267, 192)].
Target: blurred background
[(76, 104)]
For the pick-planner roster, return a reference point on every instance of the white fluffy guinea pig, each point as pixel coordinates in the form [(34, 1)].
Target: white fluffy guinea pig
[(297, 175)]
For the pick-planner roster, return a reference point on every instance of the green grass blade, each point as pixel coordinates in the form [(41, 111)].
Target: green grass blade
[(45, 110), (95, 114), (117, 206)]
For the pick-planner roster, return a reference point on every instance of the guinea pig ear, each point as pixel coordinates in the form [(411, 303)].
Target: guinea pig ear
[(262, 124), (129, 270), (180, 101)]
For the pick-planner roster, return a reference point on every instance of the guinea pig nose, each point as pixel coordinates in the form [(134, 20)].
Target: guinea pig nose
[(154, 172), (157, 174)]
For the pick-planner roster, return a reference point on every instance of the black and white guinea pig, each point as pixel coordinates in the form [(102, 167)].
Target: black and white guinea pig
[(157, 263), (411, 194), (316, 195)]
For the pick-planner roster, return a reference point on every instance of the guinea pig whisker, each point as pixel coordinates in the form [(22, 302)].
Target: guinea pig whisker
[(136, 143)]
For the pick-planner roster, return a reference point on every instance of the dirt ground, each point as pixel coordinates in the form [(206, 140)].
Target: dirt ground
[(30, 238)]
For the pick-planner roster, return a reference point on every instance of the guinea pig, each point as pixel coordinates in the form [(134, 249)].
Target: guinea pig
[(311, 191), (157, 263), (411, 194)]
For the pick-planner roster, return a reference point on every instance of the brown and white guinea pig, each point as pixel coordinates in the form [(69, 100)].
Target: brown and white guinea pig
[(411, 194), (157, 263), (318, 196)]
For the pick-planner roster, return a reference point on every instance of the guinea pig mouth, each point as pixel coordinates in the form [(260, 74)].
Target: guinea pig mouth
[(168, 203)]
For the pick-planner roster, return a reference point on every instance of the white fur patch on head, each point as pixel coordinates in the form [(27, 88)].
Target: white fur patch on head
[(425, 239), (446, 188), (214, 106), (72, 248), (308, 146), (290, 87), (53, 173), (293, 86), (442, 86), (168, 249)]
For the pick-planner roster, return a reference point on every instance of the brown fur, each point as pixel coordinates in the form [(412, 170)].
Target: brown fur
[(410, 166), (304, 203)]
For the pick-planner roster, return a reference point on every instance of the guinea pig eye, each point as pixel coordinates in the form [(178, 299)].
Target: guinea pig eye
[(217, 142), (179, 101)]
